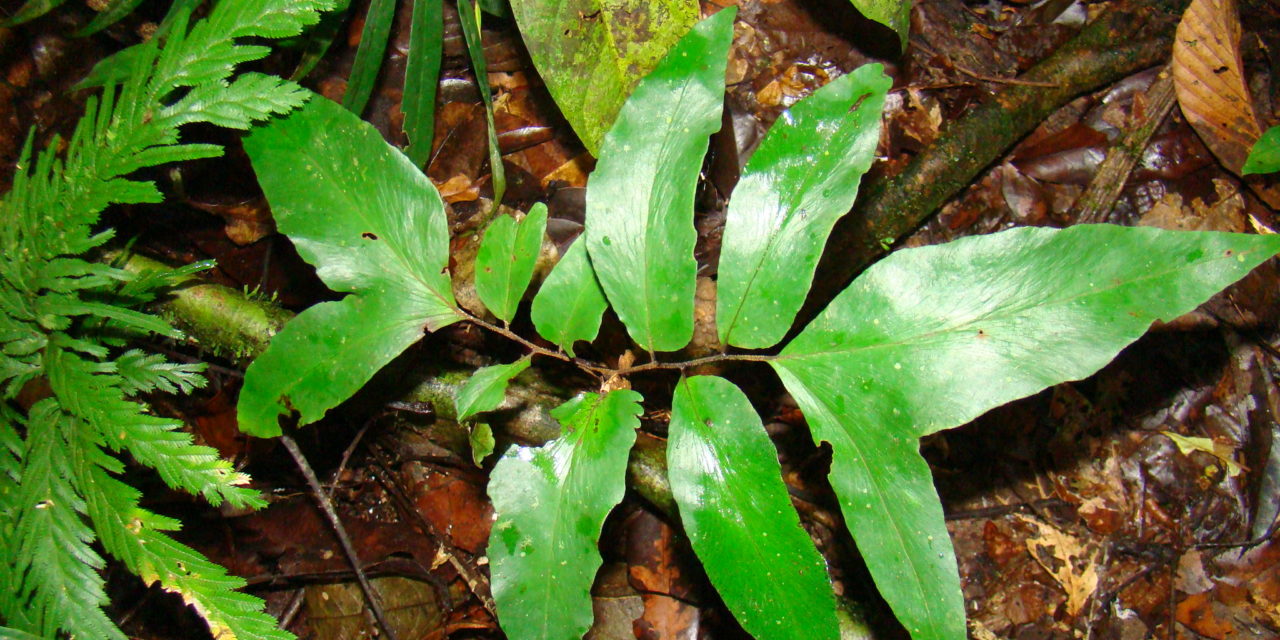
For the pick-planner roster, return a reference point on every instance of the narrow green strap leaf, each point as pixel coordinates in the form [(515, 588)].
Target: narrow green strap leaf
[(801, 180), (1264, 157), (373, 44), (570, 303), (422, 77), (374, 227), (320, 39), (895, 14), (607, 46), (109, 16), (640, 198), (550, 504), (505, 261), (896, 356), (486, 388), (30, 11), (725, 476), (469, 17)]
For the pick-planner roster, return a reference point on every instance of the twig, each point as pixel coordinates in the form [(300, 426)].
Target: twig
[(1108, 183), (375, 604)]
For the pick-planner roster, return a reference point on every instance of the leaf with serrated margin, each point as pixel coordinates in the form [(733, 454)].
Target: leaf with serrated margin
[(640, 198), (931, 338), (550, 504), (505, 261), (801, 180), (570, 303), (607, 46), (725, 476), (374, 227), (486, 388)]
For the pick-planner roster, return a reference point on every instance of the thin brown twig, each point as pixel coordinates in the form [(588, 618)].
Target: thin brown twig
[(326, 506)]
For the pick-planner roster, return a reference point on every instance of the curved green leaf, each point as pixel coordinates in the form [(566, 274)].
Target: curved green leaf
[(109, 16), (1264, 157), (486, 388), (550, 504), (373, 44), (505, 261), (605, 45), (930, 338), (801, 180), (569, 305), (29, 11), (422, 78), (469, 17), (725, 476), (640, 198), (374, 227), (895, 14)]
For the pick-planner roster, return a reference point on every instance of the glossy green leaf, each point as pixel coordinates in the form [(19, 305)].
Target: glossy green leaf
[(801, 180), (550, 504), (725, 476), (570, 304), (422, 78), (29, 11), (374, 227), (486, 388), (481, 441), (605, 45), (895, 14), (373, 44), (469, 17), (931, 338), (640, 198), (109, 16), (1264, 157), (505, 261)]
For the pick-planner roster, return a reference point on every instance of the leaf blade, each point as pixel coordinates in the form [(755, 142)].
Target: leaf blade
[(894, 357), (486, 387), (505, 261), (373, 44), (570, 303), (610, 51), (374, 227), (422, 78), (640, 197), (801, 180), (551, 502), (733, 504)]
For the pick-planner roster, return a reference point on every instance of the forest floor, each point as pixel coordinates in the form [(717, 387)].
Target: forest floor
[(1137, 503)]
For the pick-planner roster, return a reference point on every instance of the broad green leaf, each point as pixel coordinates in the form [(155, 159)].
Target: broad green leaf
[(725, 476), (373, 43), (801, 180), (1265, 155), (486, 388), (469, 18), (550, 504), (895, 14), (505, 261), (374, 227), (569, 305), (931, 338), (640, 198), (422, 77), (607, 45)]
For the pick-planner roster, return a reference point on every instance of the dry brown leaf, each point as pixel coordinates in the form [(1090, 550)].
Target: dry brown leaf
[(1073, 566), (1209, 78)]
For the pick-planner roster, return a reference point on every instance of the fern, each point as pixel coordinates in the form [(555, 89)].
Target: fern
[(64, 320)]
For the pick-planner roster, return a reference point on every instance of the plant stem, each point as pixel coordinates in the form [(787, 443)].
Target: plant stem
[(608, 372)]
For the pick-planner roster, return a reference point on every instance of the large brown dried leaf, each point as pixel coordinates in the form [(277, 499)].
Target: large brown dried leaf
[(1209, 78)]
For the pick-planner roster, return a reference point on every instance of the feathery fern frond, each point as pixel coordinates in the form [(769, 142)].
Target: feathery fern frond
[(64, 319)]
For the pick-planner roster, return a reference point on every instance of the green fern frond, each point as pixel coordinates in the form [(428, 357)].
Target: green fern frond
[(65, 318)]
